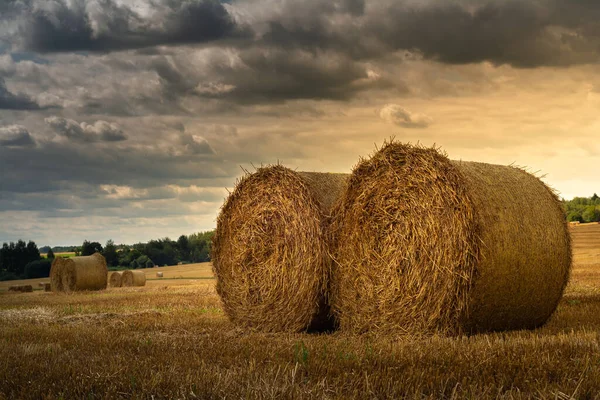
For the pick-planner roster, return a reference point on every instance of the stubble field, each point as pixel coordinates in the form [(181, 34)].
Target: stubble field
[(171, 339)]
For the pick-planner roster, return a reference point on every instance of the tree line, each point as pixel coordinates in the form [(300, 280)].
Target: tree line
[(22, 260), (583, 209)]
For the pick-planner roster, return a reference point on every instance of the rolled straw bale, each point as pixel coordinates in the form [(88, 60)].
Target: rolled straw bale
[(41, 284), (47, 287), (269, 252), (116, 279), (21, 288), (78, 273), (159, 274), (423, 244), (133, 278)]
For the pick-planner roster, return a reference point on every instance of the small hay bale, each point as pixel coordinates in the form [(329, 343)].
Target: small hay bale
[(159, 274), (115, 279), (269, 252), (41, 284), (133, 278), (78, 273), (21, 288), (47, 287), (427, 245)]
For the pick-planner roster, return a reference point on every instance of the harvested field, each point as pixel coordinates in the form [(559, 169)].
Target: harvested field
[(81, 345)]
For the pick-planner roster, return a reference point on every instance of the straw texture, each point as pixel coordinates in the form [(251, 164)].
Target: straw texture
[(115, 279), (269, 252), (78, 273), (425, 245), (133, 278)]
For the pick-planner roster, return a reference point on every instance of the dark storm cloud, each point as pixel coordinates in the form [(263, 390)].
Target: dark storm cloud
[(86, 133), (523, 34), (104, 25), (11, 101), (15, 136)]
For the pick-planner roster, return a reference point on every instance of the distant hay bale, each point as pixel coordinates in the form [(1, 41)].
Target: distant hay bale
[(47, 287), (159, 274), (21, 288), (423, 244), (116, 279), (269, 252), (78, 273), (133, 278), (41, 284)]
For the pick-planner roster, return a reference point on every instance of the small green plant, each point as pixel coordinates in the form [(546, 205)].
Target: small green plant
[(300, 353)]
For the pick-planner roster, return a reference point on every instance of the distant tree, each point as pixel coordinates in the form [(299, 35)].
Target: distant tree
[(45, 249), (50, 254), (38, 269), (110, 253), (134, 264), (183, 245), (595, 197), (89, 248), (149, 264), (15, 256)]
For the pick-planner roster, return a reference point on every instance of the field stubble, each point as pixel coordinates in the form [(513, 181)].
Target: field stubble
[(170, 339)]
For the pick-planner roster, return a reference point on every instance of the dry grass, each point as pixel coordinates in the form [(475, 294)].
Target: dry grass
[(82, 345)]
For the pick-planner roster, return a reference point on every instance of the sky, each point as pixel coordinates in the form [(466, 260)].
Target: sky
[(131, 120)]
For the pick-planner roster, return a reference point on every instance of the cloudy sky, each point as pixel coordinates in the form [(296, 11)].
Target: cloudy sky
[(129, 119)]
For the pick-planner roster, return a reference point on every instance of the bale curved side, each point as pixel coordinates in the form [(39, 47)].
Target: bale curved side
[(79, 273), (116, 279), (422, 244), (525, 249), (269, 252), (133, 278)]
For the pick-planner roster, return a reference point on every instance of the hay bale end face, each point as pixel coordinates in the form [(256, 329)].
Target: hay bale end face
[(269, 252), (133, 278), (115, 279), (159, 274), (427, 245), (79, 273)]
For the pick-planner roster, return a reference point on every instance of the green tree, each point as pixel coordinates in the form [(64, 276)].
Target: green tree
[(110, 253), (89, 248), (50, 254)]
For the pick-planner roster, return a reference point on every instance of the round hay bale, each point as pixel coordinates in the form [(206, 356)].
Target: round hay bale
[(116, 279), (78, 273), (133, 278), (269, 252), (423, 244), (159, 274), (41, 284), (47, 287), (21, 288)]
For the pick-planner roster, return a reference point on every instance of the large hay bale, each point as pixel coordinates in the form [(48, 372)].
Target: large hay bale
[(269, 252), (133, 278), (78, 273), (423, 244), (116, 279)]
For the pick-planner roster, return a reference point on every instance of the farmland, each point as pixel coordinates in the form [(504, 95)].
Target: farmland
[(170, 339)]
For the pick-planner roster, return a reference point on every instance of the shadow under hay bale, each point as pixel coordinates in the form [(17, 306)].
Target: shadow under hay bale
[(133, 278), (21, 288), (115, 279), (269, 252), (79, 273), (423, 244)]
